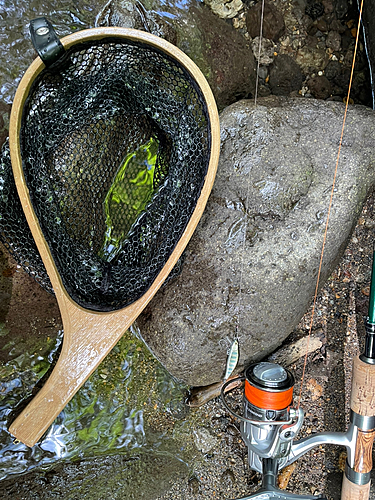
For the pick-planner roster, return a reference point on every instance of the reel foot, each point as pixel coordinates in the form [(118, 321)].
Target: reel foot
[(269, 490)]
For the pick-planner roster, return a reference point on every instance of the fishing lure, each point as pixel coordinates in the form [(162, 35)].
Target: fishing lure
[(232, 359)]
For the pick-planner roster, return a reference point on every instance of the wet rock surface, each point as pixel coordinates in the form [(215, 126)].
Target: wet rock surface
[(320, 87), (222, 54), (315, 34), (273, 21), (226, 10), (270, 157), (285, 76)]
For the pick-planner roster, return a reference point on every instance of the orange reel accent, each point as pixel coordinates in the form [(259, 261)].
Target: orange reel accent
[(268, 400)]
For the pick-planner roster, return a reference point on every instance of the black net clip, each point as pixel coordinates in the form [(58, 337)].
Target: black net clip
[(46, 42)]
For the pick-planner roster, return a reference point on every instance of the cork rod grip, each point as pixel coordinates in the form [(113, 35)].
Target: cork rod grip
[(362, 402), (362, 399), (351, 491)]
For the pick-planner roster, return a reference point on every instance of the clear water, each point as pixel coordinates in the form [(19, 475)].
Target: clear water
[(17, 51), (110, 414)]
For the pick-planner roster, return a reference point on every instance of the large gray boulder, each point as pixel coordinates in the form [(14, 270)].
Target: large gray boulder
[(273, 183), (220, 52)]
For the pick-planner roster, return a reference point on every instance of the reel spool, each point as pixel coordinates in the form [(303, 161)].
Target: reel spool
[(269, 426), (268, 423), (268, 391)]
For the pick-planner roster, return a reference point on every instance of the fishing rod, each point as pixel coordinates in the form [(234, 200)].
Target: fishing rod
[(269, 424)]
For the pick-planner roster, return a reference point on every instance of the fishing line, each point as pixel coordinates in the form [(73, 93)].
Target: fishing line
[(259, 51), (245, 208), (248, 182), (330, 204), (233, 354)]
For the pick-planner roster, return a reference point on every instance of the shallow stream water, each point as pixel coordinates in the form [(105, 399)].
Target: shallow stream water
[(112, 413)]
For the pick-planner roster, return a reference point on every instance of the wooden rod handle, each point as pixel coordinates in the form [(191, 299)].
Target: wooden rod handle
[(351, 491), (363, 452)]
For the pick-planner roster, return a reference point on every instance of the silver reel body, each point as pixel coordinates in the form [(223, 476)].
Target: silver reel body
[(269, 427), (267, 440)]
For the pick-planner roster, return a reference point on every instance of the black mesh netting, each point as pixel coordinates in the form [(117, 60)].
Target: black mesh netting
[(115, 149), (14, 230)]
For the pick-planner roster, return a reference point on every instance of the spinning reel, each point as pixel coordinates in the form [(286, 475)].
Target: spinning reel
[(269, 427)]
